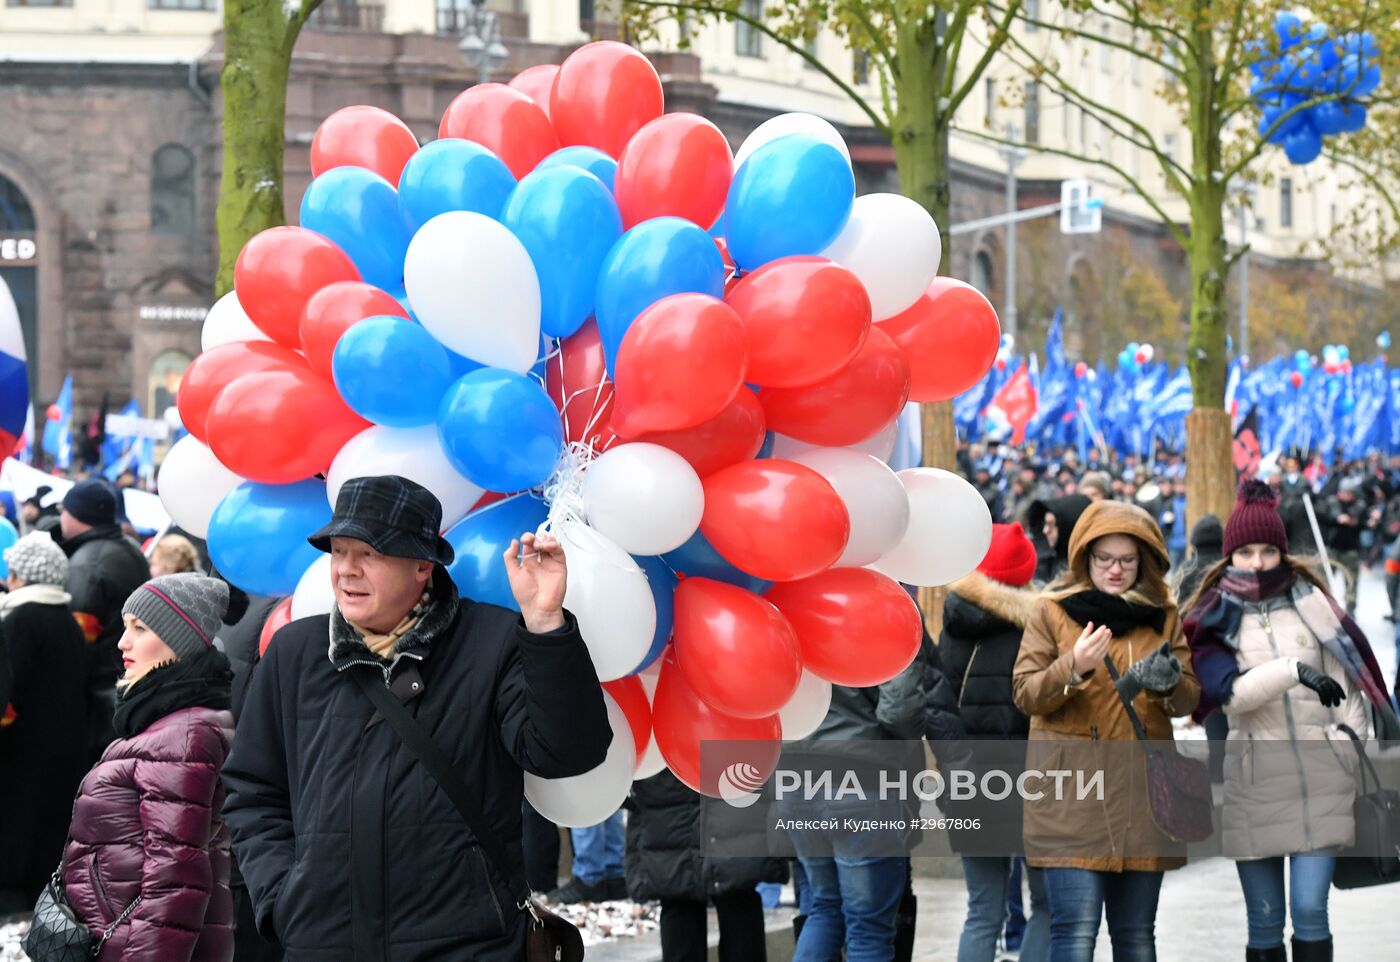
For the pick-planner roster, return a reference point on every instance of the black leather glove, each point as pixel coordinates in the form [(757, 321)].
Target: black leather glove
[(1324, 684), (1158, 673)]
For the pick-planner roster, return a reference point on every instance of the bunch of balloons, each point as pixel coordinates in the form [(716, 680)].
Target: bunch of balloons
[(1136, 356), (1308, 65), (574, 309)]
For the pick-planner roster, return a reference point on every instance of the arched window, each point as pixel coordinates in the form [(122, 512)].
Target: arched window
[(982, 272), (163, 381), (172, 191), (15, 212)]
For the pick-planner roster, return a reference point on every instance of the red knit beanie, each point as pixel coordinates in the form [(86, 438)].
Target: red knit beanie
[(1255, 520), (1011, 558)]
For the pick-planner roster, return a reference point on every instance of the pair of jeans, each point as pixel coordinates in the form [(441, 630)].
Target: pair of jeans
[(598, 850), (854, 900), (1080, 898), (988, 881), (685, 929), (1309, 881)]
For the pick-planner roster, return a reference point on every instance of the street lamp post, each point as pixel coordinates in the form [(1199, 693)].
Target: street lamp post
[(1013, 156), (481, 45)]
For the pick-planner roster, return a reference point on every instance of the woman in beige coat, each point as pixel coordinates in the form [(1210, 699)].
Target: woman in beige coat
[(1103, 855), (1274, 653)]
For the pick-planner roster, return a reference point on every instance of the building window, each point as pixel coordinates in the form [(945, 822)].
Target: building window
[(748, 41), (989, 89), (860, 67), (809, 46), (172, 191), (1105, 51), (1032, 112), (349, 15), (1285, 202), (1032, 8), (15, 212), (1083, 129), (586, 9), (38, 3), (982, 272), (163, 381), (183, 4), (1169, 146)]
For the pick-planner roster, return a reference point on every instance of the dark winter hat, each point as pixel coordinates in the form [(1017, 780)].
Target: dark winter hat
[(1011, 558), (1255, 519), (184, 610), (1208, 533), (91, 502), (393, 515)]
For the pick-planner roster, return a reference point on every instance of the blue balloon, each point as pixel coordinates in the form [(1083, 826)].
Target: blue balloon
[(1343, 352), (1327, 118), (1288, 27), (591, 159), (567, 221), (257, 535), (1353, 116), (663, 582), (792, 196), (655, 259), (697, 558), (453, 174), (391, 371), (482, 537), (8, 536), (1383, 340), (1303, 145), (500, 429), (359, 211)]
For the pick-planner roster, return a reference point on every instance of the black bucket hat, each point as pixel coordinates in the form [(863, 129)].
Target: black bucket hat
[(393, 515)]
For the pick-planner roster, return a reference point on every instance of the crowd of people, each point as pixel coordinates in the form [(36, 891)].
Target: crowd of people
[(232, 805)]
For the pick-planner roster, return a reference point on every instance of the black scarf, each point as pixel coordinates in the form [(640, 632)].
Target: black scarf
[(203, 680), (1119, 615)]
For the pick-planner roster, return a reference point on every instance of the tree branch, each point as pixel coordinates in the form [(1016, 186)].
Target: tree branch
[(1096, 38), (297, 21), (993, 47), (877, 37)]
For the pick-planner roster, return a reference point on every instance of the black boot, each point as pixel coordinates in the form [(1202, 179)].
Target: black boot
[(797, 922), (1312, 951), (1276, 954)]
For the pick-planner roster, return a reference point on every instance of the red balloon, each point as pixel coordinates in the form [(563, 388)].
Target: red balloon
[(1296, 379), (277, 272), (681, 363), (854, 626), (851, 405), (1080, 369), (280, 426), (681, 722), (950, 339), (679, 165), (737, 652), (537, 83), (332, 310), (631, 697), (503, 120), (733, 435), (363, 136), (490, 498), (605, 92), (277, 619), (577, 380), (54, 413), (805, 318), (217, 368), (1140, 357), (777, 520)]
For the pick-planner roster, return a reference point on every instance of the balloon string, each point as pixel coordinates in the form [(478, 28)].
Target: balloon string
[(563, 492)]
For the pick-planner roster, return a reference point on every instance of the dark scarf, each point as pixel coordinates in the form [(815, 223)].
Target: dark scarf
[(1121, 616), (203, 680)]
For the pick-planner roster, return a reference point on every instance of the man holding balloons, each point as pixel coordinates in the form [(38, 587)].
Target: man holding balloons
[(349, 845)]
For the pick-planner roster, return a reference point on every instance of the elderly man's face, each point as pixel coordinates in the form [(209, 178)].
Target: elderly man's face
[(375, 591)]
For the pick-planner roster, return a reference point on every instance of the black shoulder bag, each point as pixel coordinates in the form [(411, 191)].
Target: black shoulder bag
[(1374, 856), (55, 932), (548, 938)]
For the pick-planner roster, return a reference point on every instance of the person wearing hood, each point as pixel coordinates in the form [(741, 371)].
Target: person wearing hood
[(1288, 667), (43, 733), (1051, 523), (146, 867), (1112, 606)]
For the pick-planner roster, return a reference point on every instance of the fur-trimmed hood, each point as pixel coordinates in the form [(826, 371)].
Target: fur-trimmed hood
[(348, 648), (999, 601)]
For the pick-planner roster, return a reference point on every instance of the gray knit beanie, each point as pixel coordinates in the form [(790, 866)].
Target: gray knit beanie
[(184, 610), (36, 560)]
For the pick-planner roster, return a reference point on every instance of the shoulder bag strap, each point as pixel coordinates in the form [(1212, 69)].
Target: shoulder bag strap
[(1365, 761), (435, 760), (1138, 726)]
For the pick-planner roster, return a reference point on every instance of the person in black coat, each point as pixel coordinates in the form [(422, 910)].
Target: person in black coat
[(43, 725), (1050, 523), (1206, 538), (665, 861), (349, 847)]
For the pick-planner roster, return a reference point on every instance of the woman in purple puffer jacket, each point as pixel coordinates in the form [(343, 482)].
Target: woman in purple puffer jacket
[(147, 846)]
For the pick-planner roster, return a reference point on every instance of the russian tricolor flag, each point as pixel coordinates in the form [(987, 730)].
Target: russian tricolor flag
[(14, 378)]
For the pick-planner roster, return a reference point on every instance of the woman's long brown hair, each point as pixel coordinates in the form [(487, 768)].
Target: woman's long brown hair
[(1305, 568)]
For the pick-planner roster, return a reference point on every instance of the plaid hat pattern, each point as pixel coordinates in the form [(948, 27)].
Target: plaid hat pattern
[(393, 515), (184, 610), (37, 560)]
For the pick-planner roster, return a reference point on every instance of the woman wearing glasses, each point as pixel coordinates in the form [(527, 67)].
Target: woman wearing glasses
[(1103, 854)]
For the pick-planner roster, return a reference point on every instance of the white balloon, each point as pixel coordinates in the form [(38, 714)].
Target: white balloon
[(313, 594), (583, 800), (610, 597), (192, 482), (878, 445), (792, 123), (473, 286), (227, 322), (651, 763), (807, 707), (645, 497), (892, 245), (950, 530), (413, 453), (874, 497)]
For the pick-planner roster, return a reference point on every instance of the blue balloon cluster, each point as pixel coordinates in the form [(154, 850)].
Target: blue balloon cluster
[(1313, 87)]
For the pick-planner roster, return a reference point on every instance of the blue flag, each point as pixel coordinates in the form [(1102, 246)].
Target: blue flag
[(58, 431)]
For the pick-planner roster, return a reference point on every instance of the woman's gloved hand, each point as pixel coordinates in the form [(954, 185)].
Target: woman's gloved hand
[(1158, 673), (1324, 684)]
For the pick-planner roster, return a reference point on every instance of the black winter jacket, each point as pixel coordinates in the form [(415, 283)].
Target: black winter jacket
[(349, 848), (1051, 561), (104, 568)]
